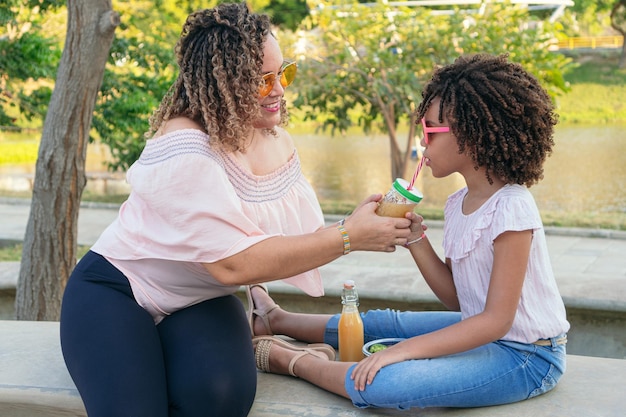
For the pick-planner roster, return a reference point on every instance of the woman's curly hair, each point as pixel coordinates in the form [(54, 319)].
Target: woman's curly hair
[(220, 59), (499, 113)]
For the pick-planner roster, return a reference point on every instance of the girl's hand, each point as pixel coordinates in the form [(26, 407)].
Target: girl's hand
[(417, 226), (364, 372)]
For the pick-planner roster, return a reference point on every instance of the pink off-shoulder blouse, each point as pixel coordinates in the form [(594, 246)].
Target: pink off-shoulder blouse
[(190, 204)]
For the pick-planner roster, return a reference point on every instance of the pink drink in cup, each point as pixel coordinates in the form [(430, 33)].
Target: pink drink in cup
[(398, 201)]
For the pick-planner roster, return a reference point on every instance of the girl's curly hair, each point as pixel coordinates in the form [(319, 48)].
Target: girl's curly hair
[(220, 59), (499, 113)]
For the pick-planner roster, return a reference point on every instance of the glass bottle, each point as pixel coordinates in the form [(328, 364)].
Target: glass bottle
[(350, 325)]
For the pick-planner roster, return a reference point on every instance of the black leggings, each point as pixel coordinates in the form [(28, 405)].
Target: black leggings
[(196, 362)]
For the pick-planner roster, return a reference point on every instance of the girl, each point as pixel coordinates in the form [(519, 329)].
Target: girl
[(504, 338)]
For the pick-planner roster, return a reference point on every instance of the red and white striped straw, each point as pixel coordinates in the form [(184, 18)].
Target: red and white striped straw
[(417, 171)]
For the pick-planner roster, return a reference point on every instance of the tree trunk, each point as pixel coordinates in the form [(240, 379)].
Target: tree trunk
[(49, 253), (400, 159), (409, 145), (618, 22), (395, 155)]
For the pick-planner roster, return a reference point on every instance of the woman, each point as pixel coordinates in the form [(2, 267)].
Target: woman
[(149, 323)]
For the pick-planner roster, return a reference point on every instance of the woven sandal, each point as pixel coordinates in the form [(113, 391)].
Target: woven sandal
[(252, 311), (263, 344)]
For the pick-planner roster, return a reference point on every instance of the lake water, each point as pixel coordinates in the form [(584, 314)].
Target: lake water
[(586, 172)]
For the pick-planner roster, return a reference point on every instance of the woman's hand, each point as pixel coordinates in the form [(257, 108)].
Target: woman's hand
[(371, 232), (365, 371)]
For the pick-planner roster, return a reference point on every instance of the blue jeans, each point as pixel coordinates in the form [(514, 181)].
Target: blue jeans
[(497, 373)]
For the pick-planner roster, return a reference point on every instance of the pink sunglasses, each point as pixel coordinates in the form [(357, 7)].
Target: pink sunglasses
[(427, 130)]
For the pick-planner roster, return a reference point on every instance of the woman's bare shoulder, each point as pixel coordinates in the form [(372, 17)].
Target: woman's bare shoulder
[(177, 123)]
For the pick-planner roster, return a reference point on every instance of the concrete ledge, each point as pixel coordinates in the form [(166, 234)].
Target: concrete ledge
[(598, 326), (35, 383)]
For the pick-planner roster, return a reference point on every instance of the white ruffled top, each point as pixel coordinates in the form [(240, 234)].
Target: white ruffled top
[(191, 204), (468, 242)]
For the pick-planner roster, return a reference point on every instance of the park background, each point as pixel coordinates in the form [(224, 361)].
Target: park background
[(384, 56)]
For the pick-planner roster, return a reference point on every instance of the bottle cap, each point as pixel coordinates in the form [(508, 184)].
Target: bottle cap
[(349, 284), (414, 195)]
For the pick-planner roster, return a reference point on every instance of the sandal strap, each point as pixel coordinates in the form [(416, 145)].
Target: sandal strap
[(262, 355), (292, 362), (263, 344), (264, 315), (306, 351)]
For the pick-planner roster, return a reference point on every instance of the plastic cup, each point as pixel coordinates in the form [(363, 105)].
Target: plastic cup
[(398, 201)]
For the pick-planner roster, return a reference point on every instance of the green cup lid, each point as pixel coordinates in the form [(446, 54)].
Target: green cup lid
[(414, 195)]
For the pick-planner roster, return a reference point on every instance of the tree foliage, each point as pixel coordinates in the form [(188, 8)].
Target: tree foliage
[(588, 17), (365, 65), (287, 14), (362, 65), (29, 54), (140, 69)]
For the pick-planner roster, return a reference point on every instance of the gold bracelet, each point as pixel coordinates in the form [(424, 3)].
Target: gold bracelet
[(423, 236), (345, 237)]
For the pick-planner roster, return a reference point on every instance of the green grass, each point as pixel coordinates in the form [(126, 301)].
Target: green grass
[(18, 153), (598, 88), (100, 198), (18, 148), (610, 221), (13, 252), (10, 253)]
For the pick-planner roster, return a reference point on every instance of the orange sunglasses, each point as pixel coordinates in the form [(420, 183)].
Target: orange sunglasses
[(287, 74)]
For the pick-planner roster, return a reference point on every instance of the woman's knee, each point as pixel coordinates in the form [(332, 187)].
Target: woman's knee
[(227, 394), (209, 359)]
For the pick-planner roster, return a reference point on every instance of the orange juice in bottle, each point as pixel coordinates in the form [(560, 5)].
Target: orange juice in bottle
[(350, 325)]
